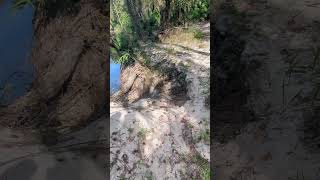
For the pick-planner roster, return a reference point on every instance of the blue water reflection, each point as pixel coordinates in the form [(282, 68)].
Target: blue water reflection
[(114, 77), (16, 31)]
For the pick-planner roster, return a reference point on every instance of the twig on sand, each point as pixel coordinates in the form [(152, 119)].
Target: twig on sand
[(292, 19)]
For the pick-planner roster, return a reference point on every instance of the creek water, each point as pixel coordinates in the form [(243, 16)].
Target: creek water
[(114, 76), (16, 33)]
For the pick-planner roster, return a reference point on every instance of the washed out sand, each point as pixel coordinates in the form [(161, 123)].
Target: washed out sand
[(155, 138)]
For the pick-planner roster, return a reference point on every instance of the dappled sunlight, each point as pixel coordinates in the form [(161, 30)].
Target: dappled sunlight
[(167, 134), (155, 138), (158, 133), (163, 136), (122, 117), (189, 37), (142, 121), (181, 54)]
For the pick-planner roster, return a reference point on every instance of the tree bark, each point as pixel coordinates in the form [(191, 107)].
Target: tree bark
[(165, 14)]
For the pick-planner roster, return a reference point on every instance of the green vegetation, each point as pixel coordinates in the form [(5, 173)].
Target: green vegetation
[(185, 36), (204, 136), (170, 51), (130, 130), (19, 4), (190, 126), (141, 162), (142, 58), (134, 21), (50, 8), (124, 38), (204, 166), (142, 133), (200, 10), (122, 177), (198, 34)]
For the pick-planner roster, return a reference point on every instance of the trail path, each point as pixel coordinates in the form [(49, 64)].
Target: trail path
[(282, 34), (22, 156), (155, 139)]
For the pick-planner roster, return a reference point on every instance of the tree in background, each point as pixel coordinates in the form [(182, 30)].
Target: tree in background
[(133, 20)]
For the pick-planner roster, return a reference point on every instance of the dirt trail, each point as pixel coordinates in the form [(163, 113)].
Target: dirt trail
[(273, 147), (78, 156), (155, 139)]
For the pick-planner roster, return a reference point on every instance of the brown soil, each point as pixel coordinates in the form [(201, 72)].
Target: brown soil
[(265, 126), (70, 59)]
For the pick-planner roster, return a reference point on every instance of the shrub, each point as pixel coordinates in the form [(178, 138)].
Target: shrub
[(200, 10)]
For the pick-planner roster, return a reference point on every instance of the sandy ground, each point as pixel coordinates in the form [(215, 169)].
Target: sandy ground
[(23, 157), (271, 149), (308, 8), (153, 137)]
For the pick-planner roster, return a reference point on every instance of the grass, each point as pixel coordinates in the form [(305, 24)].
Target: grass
[(189, 125), (204, 136), (142, 133), (203, 165), (201, 46), (142, 57), (170, 51), (190, 36), (198, 34)]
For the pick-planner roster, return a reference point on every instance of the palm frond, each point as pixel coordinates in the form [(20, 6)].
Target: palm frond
[(19, 4)]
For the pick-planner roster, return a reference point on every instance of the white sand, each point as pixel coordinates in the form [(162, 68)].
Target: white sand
[(161, 154)]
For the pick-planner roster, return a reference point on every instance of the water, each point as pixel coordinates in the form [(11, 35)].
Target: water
[(16, 32), (114, 77)]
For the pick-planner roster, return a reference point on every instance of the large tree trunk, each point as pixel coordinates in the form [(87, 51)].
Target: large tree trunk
[(134, 13)]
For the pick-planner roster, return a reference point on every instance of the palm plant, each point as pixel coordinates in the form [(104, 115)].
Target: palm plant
[(19, 4)]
